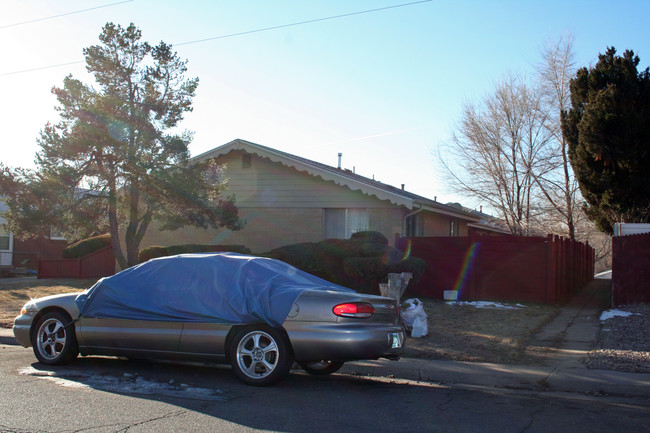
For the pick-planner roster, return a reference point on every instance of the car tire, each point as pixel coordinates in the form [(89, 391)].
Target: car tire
[(260, 355), (54, 340), (321, 368)]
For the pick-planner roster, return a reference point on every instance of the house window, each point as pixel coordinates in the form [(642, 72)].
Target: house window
[(342, 223), (246, 160), (56, 234), (6, 247), (5, 241)]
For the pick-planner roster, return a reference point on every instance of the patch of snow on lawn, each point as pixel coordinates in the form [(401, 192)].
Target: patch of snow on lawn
[(487, 304), (614, 313)]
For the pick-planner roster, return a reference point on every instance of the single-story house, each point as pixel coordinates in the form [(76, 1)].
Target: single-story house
[(286, 199)]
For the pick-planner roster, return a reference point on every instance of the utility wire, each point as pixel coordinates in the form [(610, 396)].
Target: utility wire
[(301, 23), (231, 35), (41, 68), (62, 15)]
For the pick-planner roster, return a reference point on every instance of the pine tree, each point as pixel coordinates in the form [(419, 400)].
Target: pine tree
[(608, 131), (119, 143)]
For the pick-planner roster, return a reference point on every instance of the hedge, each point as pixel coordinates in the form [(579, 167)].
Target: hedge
[(86, 246), (159, 251), (361, 262)]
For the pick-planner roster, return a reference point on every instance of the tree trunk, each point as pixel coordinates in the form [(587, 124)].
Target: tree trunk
[(114, 229), (131, 238)]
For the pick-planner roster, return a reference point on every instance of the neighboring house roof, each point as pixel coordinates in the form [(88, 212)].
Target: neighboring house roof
[(343, 177), (487, 222)]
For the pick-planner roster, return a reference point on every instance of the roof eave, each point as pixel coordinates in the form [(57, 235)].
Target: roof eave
[(338, 177)]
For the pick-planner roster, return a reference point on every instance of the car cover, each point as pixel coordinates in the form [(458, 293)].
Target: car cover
[(208, 287)]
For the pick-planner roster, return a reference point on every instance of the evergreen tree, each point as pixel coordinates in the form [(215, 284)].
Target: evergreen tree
[(608, 131), (115, 159)]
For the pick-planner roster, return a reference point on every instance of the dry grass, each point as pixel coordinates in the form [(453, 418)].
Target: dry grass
[(465, 333), (14, 293)]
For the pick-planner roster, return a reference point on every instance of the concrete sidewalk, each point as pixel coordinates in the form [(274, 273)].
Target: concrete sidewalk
[(564, 340), (515, 377)]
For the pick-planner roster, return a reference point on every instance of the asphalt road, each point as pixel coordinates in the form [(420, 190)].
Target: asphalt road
[(112, 395)]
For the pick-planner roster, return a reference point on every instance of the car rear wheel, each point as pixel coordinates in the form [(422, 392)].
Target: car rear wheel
[(260, 355), (321, 368), (54, 340)]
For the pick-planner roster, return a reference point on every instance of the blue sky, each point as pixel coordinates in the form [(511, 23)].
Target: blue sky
[(384, 88)]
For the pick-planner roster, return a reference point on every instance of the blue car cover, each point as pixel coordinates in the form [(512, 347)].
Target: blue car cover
[(207, 287)]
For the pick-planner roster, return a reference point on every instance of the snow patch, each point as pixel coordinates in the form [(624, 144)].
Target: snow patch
[(606, 275), (487, 304), (608, 314)]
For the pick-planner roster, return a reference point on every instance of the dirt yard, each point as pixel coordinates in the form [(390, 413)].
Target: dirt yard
[(464, 332), (456, 331), (15, 292)]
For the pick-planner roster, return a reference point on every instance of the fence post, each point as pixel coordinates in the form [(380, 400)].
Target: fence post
[(550, 270), (559, 288)]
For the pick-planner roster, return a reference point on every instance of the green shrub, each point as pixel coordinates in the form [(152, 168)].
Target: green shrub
[(361, 262), (369, 244), (86, 246), (361, 244), (157, 251), (413, 265), (153, 252), (205, 248), (340, 248), (309, 257), (365, 273), (370, 237)]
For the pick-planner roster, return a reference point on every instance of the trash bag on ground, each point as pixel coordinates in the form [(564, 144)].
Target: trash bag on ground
[(414, 317)]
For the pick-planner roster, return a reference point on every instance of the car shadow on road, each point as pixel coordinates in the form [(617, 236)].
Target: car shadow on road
[(301, 402)]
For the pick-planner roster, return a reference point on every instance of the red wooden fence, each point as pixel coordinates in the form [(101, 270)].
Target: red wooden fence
[(527, 269), (100, 263), (631, 269)]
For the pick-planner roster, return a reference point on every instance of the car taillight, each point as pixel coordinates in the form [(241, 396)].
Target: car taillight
[(360, 310)]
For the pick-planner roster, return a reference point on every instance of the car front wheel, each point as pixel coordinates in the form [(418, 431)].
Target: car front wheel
[(54, 340), (260, 355), (321, 368)]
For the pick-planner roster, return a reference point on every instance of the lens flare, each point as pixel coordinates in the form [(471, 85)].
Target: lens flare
[(464, 272)]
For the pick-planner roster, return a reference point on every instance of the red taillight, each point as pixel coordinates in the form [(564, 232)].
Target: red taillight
[(354, 309)]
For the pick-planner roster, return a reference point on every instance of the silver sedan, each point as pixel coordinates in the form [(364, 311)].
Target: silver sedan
[(323, 328)]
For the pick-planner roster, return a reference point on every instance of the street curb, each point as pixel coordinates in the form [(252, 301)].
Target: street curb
[(504, 376), (7, 337)]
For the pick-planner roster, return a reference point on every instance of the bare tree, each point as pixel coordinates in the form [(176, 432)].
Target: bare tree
[(499, 146), (508, 152), (557, 182)]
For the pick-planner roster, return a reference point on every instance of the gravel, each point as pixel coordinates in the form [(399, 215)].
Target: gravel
[(624, 342)]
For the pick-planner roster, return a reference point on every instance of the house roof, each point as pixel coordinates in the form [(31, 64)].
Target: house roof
[(343, 177)]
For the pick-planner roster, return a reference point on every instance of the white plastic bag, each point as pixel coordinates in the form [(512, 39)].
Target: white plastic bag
[(415, 318), (420, 327)]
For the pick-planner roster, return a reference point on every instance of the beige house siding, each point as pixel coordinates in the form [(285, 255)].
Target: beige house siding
[(272, 184), (387, 221), (286, 199), (269, 228), (440, 225), (281, 206)]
